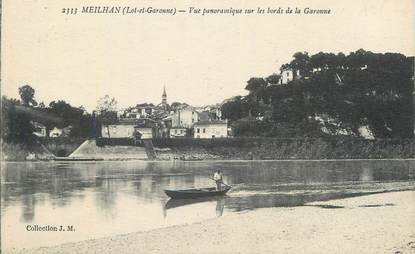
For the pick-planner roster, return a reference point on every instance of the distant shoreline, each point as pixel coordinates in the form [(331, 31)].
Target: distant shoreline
[(235, 149), (204, 161)]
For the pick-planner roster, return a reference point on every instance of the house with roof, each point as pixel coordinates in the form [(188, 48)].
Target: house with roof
[(288, 74), (185, 117), (147, 110), (142, 110), (179, 123), (130, 128), (211, 129), (123, 129)]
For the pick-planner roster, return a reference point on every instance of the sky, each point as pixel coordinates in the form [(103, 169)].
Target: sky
[(200, 60)]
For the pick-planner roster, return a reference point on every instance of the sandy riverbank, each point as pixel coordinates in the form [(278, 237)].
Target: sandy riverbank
[(381, 223)]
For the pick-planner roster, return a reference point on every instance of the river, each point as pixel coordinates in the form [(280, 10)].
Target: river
[(107, 198)]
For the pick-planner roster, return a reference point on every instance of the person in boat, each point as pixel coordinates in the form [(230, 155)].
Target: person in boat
[(218, 179)]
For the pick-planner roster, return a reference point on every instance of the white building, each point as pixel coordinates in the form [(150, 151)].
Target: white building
[(118, 131), (185, 118), (58, 132), (126, 131), (288, 74), (178, 132), (211, 129), (127, 128)]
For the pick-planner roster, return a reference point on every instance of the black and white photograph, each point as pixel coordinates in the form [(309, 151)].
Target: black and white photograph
[(196, 126)]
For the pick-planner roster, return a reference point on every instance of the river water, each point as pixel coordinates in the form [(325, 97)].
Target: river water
[(101, 199)]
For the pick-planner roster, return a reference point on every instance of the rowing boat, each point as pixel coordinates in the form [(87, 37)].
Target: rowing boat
[(197, 193)]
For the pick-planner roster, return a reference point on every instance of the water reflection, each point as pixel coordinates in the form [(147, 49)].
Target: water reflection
[(123, 197), (173, 203), (28, 208), (219, 202)]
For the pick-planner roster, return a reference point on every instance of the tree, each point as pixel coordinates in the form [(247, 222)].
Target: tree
[(108, 118), (77, 117), (273, 79), (360, 89), (250, 126), (6, 105), (85, 126), (27, 94), (235, 109), (15, 126), (301, 62), (107, 109), (256, 85), (106, 104), (70, 115), (375, 92)]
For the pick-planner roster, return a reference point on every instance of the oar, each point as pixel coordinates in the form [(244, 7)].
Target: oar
[(220, 182)]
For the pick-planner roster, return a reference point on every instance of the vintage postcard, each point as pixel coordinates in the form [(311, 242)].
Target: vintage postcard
[(195, 126)]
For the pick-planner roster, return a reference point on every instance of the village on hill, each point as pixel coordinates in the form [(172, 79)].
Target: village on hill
[(322, 98), (147, 121)]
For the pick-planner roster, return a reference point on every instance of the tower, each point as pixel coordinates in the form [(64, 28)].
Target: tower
[(164, 98)]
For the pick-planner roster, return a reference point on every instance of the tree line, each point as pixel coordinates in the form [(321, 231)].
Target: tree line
[(19, 117), (333, 94)]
